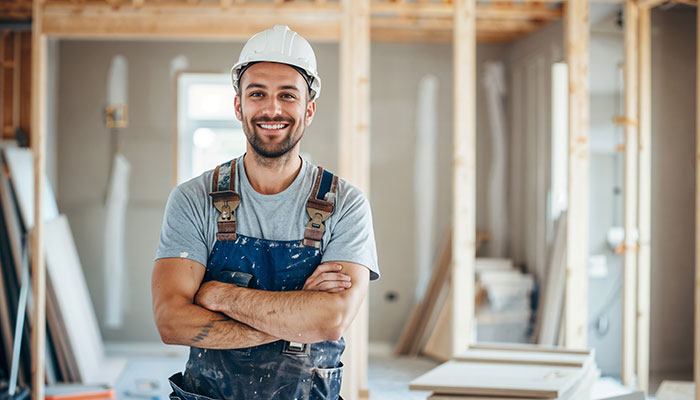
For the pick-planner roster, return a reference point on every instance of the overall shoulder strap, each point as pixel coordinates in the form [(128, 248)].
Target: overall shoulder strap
[(320, 206), (226, 200)]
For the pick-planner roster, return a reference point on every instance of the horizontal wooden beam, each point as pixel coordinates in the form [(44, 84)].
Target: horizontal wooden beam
[(199, 22), (15, 10), (317, 21), (407, 35), (443, 10), (650, 3)]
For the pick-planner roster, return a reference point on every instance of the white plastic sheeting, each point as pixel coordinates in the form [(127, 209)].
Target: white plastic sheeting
[(114, 265), (494, 81), (424, 186)]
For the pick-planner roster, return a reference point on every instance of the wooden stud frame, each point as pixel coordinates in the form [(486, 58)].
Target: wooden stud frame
[(644, 255), (696, 369), (316, 20), (38, 144), (464, 174), (354, 164), (576, 294), (631, 95)]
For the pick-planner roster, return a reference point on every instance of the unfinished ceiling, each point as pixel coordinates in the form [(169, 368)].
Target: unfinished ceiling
[(319, 20)]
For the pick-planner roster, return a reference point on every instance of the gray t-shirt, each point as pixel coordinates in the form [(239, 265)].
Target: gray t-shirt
[(189, 224)]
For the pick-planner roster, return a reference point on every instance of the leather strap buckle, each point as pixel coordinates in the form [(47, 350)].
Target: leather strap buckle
[(226, 202)]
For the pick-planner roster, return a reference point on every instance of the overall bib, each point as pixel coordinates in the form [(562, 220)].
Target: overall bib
[(278, 370)]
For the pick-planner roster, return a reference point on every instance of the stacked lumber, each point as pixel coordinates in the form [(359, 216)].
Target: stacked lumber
[(74, 343), (506, 314), (503, 310), (429, 315), (512, 372)]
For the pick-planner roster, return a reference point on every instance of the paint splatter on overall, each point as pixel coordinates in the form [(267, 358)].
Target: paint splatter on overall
[(269, 371)]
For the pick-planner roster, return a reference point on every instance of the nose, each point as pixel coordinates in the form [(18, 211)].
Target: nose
[(273, 107)]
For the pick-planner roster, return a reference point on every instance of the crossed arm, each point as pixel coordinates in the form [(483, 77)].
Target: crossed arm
[(218, 315)]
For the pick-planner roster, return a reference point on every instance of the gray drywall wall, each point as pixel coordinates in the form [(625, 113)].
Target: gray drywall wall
[(395, 73), (83, 158), (84, 153), (673, 188)]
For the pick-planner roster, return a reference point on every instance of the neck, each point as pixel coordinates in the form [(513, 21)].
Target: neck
[(271, 175)]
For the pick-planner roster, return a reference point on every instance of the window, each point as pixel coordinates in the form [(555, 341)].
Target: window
[(208, 132)]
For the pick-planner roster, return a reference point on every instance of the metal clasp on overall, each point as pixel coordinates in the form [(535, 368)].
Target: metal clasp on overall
[(297, 349), (226, 201), (315, 227)]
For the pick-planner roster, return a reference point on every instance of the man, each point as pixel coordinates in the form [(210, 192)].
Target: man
[(263, 262)]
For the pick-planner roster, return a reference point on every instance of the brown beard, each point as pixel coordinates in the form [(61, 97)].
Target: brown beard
[(278, 150)]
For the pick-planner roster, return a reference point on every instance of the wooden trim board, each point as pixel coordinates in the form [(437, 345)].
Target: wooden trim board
[(529, 348), (526, 357), (489, 379)]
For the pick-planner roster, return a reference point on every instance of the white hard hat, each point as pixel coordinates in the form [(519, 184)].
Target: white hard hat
[(282, 45)]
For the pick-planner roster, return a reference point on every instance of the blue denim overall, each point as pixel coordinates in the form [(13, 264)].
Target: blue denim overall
[(278, 370)]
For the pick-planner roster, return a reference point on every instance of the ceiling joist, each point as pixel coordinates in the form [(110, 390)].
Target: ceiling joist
[(318, 20)]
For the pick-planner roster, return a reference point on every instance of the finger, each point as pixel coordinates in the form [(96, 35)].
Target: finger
[(334, 276), (321, 269), (336, 290), (328, 285), (328, 267)]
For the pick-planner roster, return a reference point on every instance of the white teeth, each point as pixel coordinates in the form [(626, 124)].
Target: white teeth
[(276, 126)]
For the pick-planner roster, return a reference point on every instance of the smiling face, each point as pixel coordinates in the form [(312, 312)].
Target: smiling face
[(274, 109)]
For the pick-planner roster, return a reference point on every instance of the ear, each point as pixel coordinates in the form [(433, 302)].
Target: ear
[(310, 111), (237, 107)]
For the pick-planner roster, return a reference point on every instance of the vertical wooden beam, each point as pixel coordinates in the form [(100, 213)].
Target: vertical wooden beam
[(354, 162), (629, 287), (16, 77), (696, 369), (464, 175), (25, 112), (575, 309), (38, 329), (7, 76), (644, 278)]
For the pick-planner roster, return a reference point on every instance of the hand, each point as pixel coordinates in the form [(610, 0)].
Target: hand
[(328, 278), (212, 294)]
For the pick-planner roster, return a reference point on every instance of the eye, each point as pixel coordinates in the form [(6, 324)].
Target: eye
[(288, 96), (256, 94)]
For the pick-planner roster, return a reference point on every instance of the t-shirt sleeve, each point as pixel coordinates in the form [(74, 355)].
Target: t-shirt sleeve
[(352, 234), (183, 234)]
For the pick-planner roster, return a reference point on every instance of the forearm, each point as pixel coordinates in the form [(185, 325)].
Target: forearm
[(296, 316), (192, 325)]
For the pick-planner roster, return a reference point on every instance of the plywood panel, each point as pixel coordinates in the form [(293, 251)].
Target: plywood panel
[(73, 298), (528, 348), (21, 165), (523, 357), (488, 379)]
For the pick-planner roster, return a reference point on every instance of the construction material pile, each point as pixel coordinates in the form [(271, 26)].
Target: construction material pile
[(512, 372), (74, 348)]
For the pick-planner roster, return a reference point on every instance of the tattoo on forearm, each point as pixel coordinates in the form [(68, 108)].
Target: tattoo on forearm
[(205, 331)]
